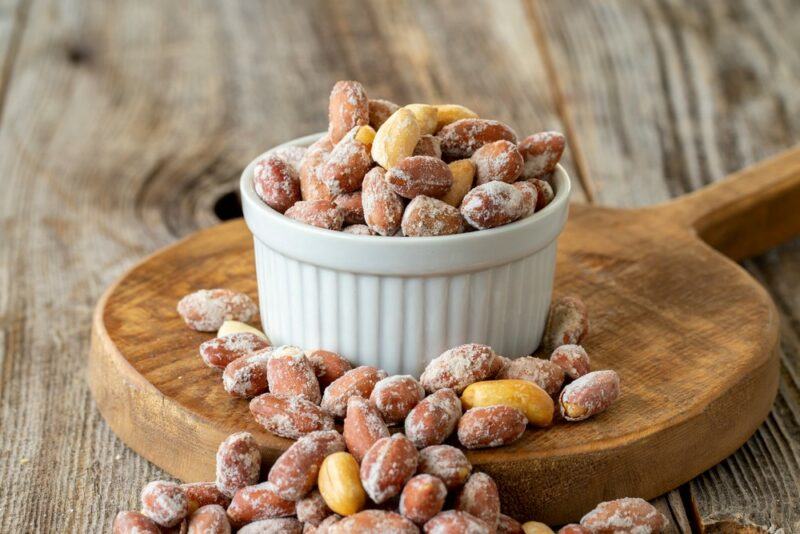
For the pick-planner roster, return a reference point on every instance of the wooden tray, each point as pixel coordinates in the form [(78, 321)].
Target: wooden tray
[(692, 335)]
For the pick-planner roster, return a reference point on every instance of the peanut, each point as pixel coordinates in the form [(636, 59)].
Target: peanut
[(463, 175), (491, 426), (365, 135), (246, 377), (427, 117), (238, 462), (567, 323), (492, 204), (319, 213), (164, 503), (346, 165), (328, 366), (261, 501), (433, 419), (295, 471), (572, 359), (289, 417), (374, 522), (205, 310), (460, 139), (387, 466), (479, 497), (543, 373), (395, 396), (425, 216), (456, 522), (289, 374), (396, 138), (340, 485), (624, 515), (221, 351), (499, 160), (383, 208), (526, 396), (348, 108), (380, 110), (422, 498), (508, 525), (134, 523), (236, 327), (589, 395), (276, 183), (445, 462), (276, 525), (459, 367), (203, 493), (209, 519), (363, 426), (357, 382), (541, 152), (420, 175)]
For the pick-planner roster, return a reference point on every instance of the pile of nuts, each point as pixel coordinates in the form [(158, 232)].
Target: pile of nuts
[(418, 170)]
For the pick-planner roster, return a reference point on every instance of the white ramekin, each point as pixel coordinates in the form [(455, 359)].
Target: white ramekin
[(397, 303)]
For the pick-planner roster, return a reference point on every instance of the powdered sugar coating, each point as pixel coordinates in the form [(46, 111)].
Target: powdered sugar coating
[(209, 519), (278, 525), (205, 310), (543, 373), (292, 154), (238, 462), (383, 208), (164, 503), (276, 182), (348, 107), (589, 395), (311, 185), (541, 152), (289, 417), (260, 501), (499, 160), (203, 493), (445, 462), (351, 207), (327, 365), (491, 426), (387, 466), (451, 521), (246, 377), (357, 382), (573, 359), (425, 216), (459, 367), (395, 396), (294, 473), (312, 509), (380, 110), (479, 497), (131, 522), (574, 528), (363, 426), (508, 525), (422, 498), (420, 175), (492, 204), (358, 229), (374, 522), (345, 167), (429, 145), (544, 192), (433, 419), (221, 351), (530, 197), (626, 515), (319, 213), (290, 374), (460, 139), (567, 323)]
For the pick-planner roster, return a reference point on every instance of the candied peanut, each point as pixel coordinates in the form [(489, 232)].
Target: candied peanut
[(459, 367), (433, 419), (427, 117), (380, 110), (348, 108), (275, 525), (346, 165), (202, 493), (543, 373), (165, 503), (420, 175), (258, 502), (460, 139), (425, 216), (479, 497), (508, 525), (357, 382), (491, 426), (574, 528), (291, 154), (276, 183), (312, 509), (131, 522), (456, 521), (311, 184), (429, 145), (396, 138), (383, 208), (209, 519), (530, 197), (544, 192), (350, 206), (238, 462), (499, 160), (358, 229), (363, 426), (221, 351), (541, 152), (290, 374), (294, 473), (447, 113), (340, 485), (387, 466), (492, 204), (374, 522), (395, 396), (526, 396), (246, 377), (422, 498), (289, 417), (319, 213), (589, 395), (627, 514), (572, 359), (463, 175), (445, 462), (327, 365), (567, 323), (205, 310)]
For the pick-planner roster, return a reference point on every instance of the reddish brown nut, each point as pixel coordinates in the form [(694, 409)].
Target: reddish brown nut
[(422, 498), (289, 417), (499, 160), (479, 497), (294, 473), (445, 462), (460, 139), (261, 501), (456, 522), (221, 351), (624, 515), (491, 426), (544, 192), (319, 213), (530, 197), (383, 208), (374, 522), (348, 108), (567, 323), (351, 207), (380, 110), (278, 525), (247, 376), (433, 419), (328, 366), (363, 426), (290, 374), (459, 367), (311, 185), (387, 466), (429, 145), (164, 503), (209, 519), (508, 525), (312, 509), (357, 382), (276, 182), (346, 165), (572, 359), (574, 528), (358, 229), (396, 396), (205, 310), (238, 462), (291, 154), (543, 373), (492, 204), (541, 152), (589, 395), (134, 523), (420, 175), (426, 216), (204, 493)]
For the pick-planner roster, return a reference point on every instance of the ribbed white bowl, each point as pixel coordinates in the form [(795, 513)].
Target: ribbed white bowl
[(397, 303)]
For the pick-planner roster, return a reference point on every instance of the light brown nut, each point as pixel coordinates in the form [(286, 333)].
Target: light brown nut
[(463, 175), (429, 145), (260, 501), (346, 165), (420, 175), (363, 426), (395, 396), (205, 310), (499, 160), (340, 485), (325, 526), (290, 374), (625, 515), (351, 207), (492, 204), (572, 359), (541, 152), (535, 527), (479, 497), (289, 417), (491, 426), (291, 154), (427, 117), (422, 498), (276, 183), (327, 365), (459, 367), (209, 519), (312, 509), (348, 107), (311, 184), (526, 396), (247, 376), (567, 323), (221, 351), (374, 522), (396, 138), (380, 110), (383, 208), (357, 382), (294, 473), (574, 528), (425, 216), (445, 462), (278, 525), (203, 493), (433, 419), (544, 192), (238, 462), (460, 139), (365, 135), (387, 466), (543, 373), (448, 113), (131, 522), (589, 395), (319, 213), (456, 522), (358, 229), (164, 503), (530, 197), (508, 525)]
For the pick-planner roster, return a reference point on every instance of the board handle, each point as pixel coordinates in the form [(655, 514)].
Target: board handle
[(748, 212)]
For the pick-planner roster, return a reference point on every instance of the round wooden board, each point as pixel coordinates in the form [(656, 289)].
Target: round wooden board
[(693, 337)]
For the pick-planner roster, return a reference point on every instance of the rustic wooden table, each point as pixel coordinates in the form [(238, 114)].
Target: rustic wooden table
[(125, 125)]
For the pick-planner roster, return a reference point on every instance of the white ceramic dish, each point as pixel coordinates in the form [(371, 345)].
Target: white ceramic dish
[(397, 303)]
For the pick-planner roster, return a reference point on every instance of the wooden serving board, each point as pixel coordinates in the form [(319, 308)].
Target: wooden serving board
[(692, 335)]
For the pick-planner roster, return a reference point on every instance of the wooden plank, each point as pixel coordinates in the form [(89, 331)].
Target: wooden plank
[(667, 96)]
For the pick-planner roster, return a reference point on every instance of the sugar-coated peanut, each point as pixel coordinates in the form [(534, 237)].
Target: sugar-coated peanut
[(492, 204), (380, 110), (422, 498), (238, 462), (358, 229), (327, 365), (508, 525), (544, 192), (319, 213), (456, 521), (544, 373), (447, 463), (626, 515), (395, 396), (427, 117), (340, 484), (491, 426), (205, 310), (311, 184), (291, 154), (420, 175), (383, 208), (534, 527), (236, 327), (258, 502), (574, 528), (246, 377), (374, 522), (396, 138), (499, 160), (387, 466), (447, 113), (203, 493), (425, 216), (221, 351), (460, 139), (290, 374), (346, 165), (363, 426), (433, 419), (312, 508), (480, 497), (541, 152), (526, 396), (295, 472), (209, 519), (356, 382), (567, 323), (164, 503), (530, 197), (351, 206), (589, 395), (459, 367), (348, 107), (289, 417), (275, 525), (276, 182), (572, 359), (131, 522)]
